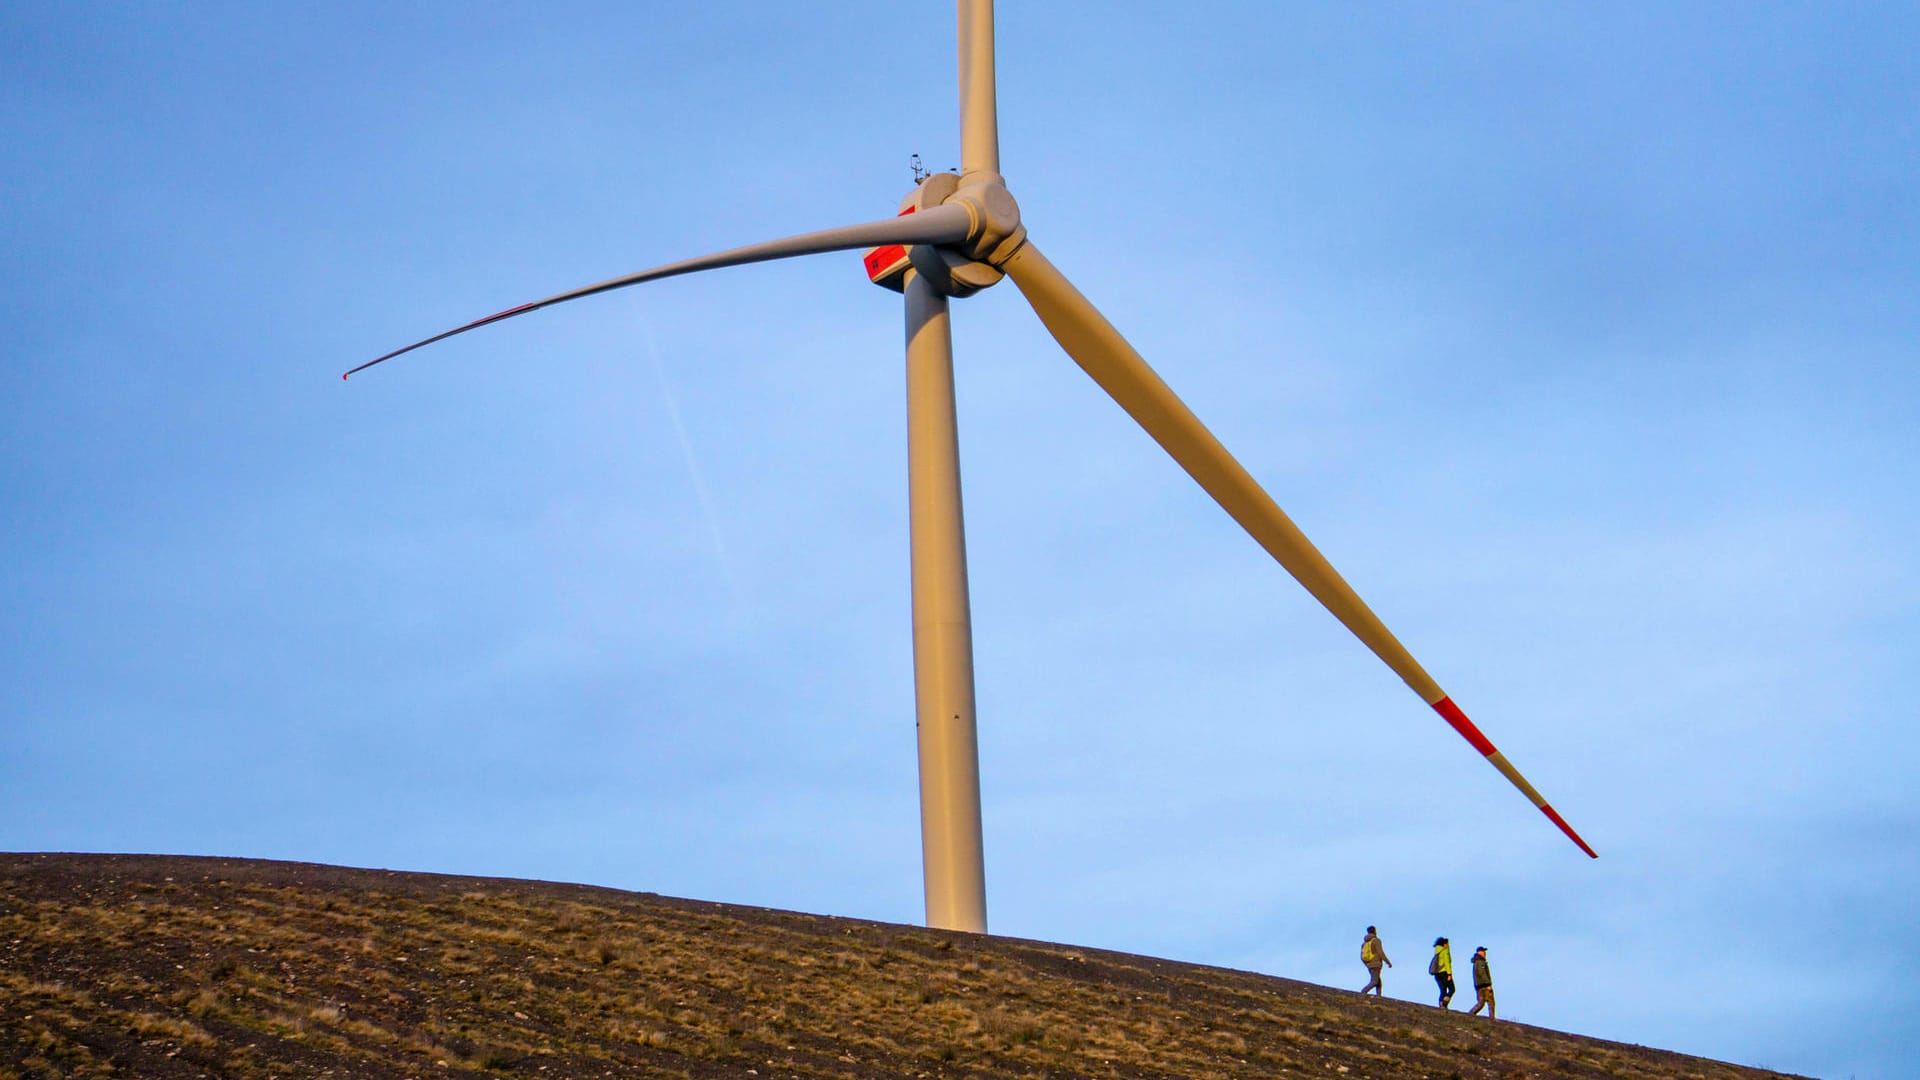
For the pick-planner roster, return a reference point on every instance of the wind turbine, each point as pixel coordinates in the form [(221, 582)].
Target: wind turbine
[(956, 235)]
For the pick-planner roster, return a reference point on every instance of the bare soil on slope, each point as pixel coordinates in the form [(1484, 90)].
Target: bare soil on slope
[(169, 966)]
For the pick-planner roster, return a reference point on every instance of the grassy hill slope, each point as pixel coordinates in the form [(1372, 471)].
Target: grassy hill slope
[(156, 966)]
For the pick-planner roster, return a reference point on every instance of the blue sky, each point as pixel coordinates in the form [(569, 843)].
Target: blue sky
[(1580, 337)]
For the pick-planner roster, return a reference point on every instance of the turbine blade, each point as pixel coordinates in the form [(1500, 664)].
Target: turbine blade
[(947, 224), (1100, 350), (979, 111)]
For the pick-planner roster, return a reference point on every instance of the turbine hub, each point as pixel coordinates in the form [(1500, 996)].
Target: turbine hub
[(965, 268)]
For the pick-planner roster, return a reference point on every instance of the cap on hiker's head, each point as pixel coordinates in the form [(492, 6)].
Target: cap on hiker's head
[(1482, 948)]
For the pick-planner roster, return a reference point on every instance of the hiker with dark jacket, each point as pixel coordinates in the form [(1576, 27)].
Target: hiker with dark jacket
[(1373, 954), (1482, 982), (1441, 968)]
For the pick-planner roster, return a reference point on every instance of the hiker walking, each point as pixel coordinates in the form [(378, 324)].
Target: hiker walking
[(1441, 968), (1373, 954), (1482, 982)]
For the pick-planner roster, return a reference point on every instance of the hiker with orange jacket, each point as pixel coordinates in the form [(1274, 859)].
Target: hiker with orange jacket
[(1373, 954)]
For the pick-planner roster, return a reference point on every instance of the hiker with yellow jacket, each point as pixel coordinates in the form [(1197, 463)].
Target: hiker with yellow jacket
[(1441, 968), (1373, 954)]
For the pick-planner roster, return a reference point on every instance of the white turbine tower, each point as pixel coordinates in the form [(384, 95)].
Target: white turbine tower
[(954, 236)]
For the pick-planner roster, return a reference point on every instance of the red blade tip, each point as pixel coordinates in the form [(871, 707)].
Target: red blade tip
[(1568, 829)]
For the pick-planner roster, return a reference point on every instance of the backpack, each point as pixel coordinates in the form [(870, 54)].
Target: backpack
[(1368, 953), (1433, 965)]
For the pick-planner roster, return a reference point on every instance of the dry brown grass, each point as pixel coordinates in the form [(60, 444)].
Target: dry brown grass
[(224, 968)]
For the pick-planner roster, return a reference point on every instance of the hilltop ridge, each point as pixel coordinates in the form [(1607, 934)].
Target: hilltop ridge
[(177, 966)]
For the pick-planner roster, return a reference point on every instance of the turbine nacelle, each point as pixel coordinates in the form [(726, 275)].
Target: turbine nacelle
[(994, 233)]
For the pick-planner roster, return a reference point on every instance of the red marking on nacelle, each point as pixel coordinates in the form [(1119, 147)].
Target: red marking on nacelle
[(882, 261), (887, 265)]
